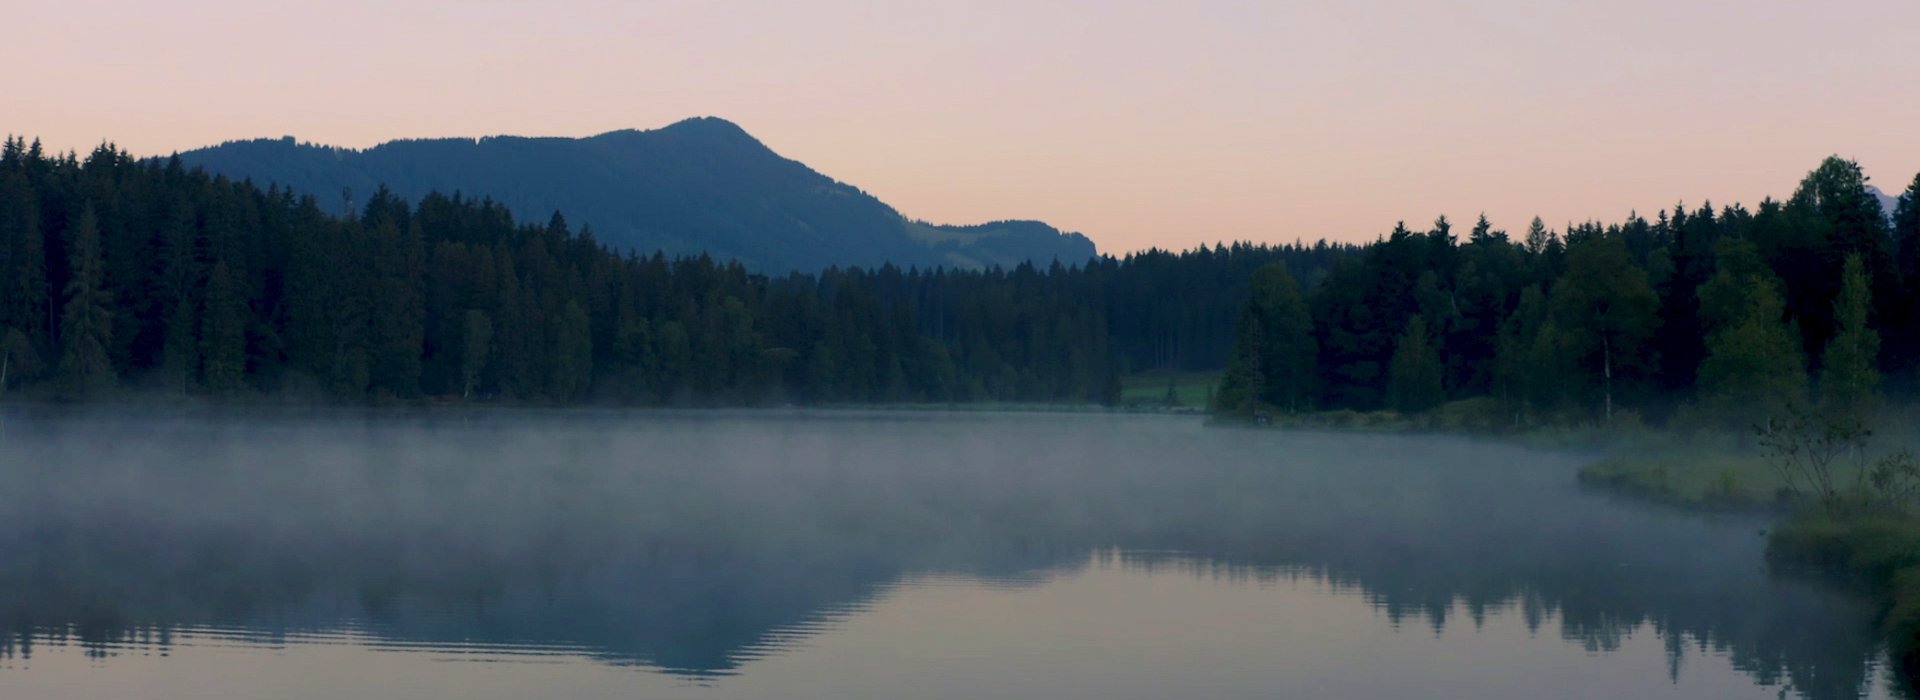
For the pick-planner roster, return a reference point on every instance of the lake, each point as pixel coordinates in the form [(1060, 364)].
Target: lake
[(789, 554)]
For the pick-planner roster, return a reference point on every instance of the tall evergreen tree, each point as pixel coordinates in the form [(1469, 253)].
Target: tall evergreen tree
[(1608, 308), (1754, 367), (28, 299), (18, 360), (476, 346), (223, 332), (1244, 382), (571, 353), (1906, 308), (86, 323), (1906, 231), (1288, 353), (1414, 376), (1849, 377), (179, 275)]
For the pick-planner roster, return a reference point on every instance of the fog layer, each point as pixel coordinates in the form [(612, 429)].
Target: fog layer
[(682, 541)]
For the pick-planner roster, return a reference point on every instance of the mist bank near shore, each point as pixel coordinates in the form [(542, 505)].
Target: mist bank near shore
[(679, 539)]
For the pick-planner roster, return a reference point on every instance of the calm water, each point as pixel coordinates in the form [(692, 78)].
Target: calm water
[(846, 555)]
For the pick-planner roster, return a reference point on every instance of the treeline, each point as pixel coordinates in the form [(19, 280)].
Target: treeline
[(123, 275), (1707, 315)]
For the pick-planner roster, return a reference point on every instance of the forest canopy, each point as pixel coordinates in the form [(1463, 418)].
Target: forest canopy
[(123, 275), (1718, 315), (120, 276)]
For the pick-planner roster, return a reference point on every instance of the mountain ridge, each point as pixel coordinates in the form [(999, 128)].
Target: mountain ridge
[(699, 185)]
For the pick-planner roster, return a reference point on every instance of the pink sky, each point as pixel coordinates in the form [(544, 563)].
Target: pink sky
[(1138, 123)]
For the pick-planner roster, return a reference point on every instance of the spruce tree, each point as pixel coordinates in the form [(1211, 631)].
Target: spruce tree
[(1289, 356), (1848, 373), (1245, 381), (179, 352), (86, 322), (476, 346), (1754, 367), (1414, 377), (18, 360), (1608, 309), (1549, 369), (1905, 346), (28, 301), (571, 353), (223, 333), (1906, 233)]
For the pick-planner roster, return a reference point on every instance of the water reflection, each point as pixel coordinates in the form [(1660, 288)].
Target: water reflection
[(702, 544)]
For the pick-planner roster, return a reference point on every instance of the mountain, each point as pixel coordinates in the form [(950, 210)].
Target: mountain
[(1887, 202), (701, 185)]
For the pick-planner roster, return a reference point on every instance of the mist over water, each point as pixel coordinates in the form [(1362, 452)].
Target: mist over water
[(844, 554)]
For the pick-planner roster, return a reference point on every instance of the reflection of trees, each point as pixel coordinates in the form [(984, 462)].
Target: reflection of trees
[(691, 545)]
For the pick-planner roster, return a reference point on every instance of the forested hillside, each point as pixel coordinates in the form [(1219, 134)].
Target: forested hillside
[(700, 186), (1713, 315), (122, 275)]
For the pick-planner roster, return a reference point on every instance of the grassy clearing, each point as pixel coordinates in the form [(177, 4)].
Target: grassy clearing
[(1190, 389), (1727, 469), (1695, 475)]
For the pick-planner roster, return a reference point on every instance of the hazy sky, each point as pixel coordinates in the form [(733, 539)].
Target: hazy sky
[(1140, 123)]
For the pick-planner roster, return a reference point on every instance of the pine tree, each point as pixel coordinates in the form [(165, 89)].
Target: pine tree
[(1905, 347), (179, 352), (1289, 356), (18, 361), (1244, 382), (1549, 367), (396, 323), (571, 353), (1538, 237), (1607, 307), (86, 323), (28, 301), (1754, 367), (1515, 364), (1906, 233), (223, 333), (1848, 374), (476, 346), (1413, 384)]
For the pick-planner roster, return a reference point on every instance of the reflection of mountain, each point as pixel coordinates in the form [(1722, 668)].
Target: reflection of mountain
[(694, 542)]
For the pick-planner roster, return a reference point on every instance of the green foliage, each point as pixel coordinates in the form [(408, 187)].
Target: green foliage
[(183, 282), (1244, 382), (1274, 357), (199, 284), (1815, 452), (1906, 233), (1414, 376), (476, 348), (1836, 192), (1288, 353), (86, 322), (18, 360), (1753, 368), (1849, 377), (1608, 311), (223, 335)]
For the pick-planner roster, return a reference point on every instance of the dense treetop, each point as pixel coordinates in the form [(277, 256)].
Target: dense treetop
[(1719, 314), (125, 275)]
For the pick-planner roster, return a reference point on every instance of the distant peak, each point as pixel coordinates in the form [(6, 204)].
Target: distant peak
[(702, 128), (704, 123)]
